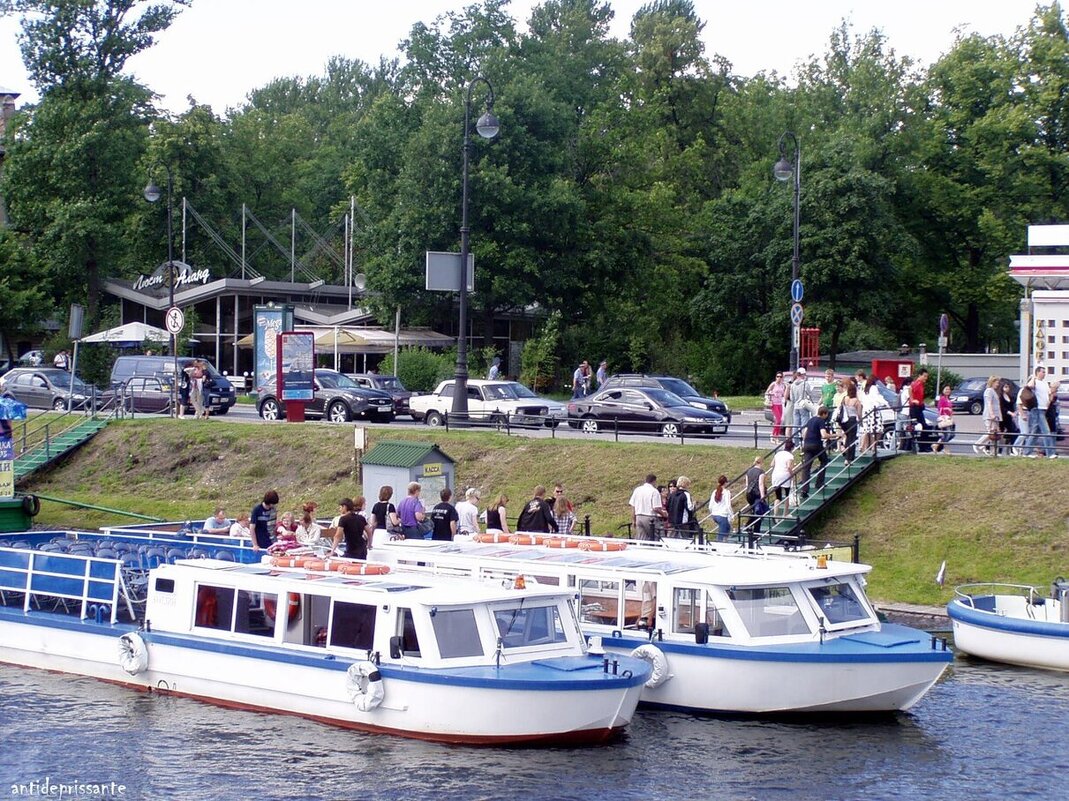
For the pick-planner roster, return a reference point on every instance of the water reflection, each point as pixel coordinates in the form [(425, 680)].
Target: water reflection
[(986, 731)]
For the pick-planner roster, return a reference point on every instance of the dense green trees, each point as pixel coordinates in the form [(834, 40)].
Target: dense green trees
[(629, 193)]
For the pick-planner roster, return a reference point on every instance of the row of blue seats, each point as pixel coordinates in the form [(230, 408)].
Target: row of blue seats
[(144, 556)]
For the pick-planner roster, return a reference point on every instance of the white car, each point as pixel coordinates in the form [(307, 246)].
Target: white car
[(32, 358), (495, 402)]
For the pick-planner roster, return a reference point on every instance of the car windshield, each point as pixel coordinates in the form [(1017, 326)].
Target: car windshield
[(64, 381), (499, 392), (666, 398), (520, 391), (973, 383), (328, 379), (391, 382), (679, 387)]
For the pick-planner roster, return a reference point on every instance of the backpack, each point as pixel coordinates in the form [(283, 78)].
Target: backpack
[(1028, 398)]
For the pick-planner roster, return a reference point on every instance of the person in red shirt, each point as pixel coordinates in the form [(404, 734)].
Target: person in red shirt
[(916, 401)]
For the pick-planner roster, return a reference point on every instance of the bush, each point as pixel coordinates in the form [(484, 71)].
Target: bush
[(420, 369), (541, 355)]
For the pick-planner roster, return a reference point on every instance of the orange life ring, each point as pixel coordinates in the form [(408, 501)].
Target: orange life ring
[(288, 561), (314, 564), (492, 536), (601, 545), (561, 542), (293, 606), (528, 539), (363, 569)]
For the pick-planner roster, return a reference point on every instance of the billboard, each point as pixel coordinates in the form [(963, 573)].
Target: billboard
[(268, 323), (296, 365)]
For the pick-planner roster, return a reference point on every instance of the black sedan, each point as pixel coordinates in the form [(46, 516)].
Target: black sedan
[(968, 396), (674, 385), (337, 398), (644, 410), (390, 384)]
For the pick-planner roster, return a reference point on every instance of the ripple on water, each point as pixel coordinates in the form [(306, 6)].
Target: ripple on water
[(987, 731)]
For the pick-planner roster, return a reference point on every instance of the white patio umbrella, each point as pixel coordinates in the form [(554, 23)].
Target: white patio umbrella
[(129, 334)]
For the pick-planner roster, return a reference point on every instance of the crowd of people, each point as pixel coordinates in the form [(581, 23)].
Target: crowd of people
[(585, 381)]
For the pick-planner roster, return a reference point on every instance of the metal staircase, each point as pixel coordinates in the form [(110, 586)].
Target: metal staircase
[(56, 445), (839, 478)]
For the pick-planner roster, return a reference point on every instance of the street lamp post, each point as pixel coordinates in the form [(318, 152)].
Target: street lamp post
[(152, 195), (488, 127), (784, 171)]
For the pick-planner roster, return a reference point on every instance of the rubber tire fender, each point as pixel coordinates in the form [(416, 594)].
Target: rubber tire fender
[(133, 653), (31, 505), (363, 681), (658, 661)]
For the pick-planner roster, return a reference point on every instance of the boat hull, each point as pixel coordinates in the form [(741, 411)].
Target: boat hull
[(479, 706), (1002, 636), (888, 671)]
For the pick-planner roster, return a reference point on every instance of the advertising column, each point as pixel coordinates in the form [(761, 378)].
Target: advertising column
[(296, 372), (268, 323)]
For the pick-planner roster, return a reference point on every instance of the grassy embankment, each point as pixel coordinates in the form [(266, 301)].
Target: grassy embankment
[(1005, 519)]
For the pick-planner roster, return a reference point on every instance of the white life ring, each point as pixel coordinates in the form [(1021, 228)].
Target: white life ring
[(658, 661), (364, 683), (133, 653)]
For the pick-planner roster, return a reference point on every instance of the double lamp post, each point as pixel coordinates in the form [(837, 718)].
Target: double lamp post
[(152, 195), (785, 170), (488, 127)]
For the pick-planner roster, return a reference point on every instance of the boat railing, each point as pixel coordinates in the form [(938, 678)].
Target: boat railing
[(967, 593), (95, 584)]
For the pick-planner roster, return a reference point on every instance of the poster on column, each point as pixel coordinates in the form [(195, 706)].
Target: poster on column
[(296, 365), (268, 323), (7, 468)]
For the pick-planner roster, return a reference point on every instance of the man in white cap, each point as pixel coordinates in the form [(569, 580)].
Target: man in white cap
[(801, 399)]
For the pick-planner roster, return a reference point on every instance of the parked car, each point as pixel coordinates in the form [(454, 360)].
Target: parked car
[(32, 358), (897, 422), (48, 388), (389, 384), (496, 402), (675, 385), (643, 409), (968, 396), (337, 398), (221, 393), (146, 394)]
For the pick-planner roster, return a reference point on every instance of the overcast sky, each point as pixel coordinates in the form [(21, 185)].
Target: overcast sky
[(219, 50)]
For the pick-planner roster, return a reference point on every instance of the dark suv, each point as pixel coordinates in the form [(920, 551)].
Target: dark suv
[(390, 384), (221, 394), (675, 385), (337, 398)]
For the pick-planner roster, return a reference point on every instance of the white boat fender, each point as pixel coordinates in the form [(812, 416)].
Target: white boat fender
[(133, 653), (364, 683), (658, 661)]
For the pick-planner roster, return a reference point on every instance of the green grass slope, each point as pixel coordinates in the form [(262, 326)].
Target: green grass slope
[(990, 519)]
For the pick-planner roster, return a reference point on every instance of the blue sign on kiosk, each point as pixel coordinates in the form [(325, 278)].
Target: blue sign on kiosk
[(796, 290)]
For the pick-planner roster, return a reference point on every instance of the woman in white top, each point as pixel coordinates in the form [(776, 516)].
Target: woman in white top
[(468, 512), (720, 509), (871, 418), (241, 527), (782, 474), (992, 413), (308, 530)]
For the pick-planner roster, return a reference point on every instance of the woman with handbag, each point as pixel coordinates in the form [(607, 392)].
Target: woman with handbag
[(945, 421)]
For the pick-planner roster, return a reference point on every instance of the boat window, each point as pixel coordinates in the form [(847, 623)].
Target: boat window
[(717, 626), (686, 610), (215, 607), (307, 625), (255, 613), (353, 626), (407, 631), (838, 603), (599, 602), (521, 627), (457, 633), (164, 584), (768, 611)]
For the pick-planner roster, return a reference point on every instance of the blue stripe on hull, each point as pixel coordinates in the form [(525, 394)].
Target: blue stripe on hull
[(1014, 625)]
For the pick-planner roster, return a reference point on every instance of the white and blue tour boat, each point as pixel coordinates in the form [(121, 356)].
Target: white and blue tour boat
[(743, 632), (1013, 623), (355, 644)]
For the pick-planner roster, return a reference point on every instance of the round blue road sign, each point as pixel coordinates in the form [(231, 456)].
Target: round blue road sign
[(796, 290)]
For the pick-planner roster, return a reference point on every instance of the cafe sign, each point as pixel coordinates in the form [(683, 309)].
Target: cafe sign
[(183, 275)]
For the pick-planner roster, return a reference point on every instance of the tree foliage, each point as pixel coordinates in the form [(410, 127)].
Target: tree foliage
[(628, 198)]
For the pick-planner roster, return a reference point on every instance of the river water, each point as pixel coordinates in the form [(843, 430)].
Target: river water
[(984, 732)]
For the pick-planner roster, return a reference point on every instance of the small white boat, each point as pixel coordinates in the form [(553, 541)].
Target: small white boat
[(348, 643), (1013, 623), (746, 632)]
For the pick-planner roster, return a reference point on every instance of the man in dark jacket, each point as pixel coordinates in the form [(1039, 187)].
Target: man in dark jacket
[(537, 515)]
